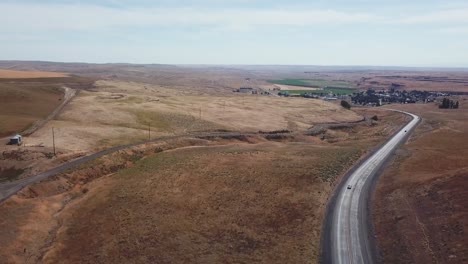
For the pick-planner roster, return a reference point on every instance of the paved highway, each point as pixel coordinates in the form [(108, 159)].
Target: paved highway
[(347, 231)]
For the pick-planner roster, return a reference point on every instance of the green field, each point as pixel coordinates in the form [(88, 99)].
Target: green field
[(294, 82), (340, 91), (316, 83)]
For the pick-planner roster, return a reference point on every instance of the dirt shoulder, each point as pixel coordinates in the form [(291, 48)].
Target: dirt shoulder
[(420, 210)]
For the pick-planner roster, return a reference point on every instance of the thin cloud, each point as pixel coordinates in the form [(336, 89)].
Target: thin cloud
[(88, 17), (455, 30), (443, 16)]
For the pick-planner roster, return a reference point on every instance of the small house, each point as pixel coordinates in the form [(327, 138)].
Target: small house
[(246, 90)]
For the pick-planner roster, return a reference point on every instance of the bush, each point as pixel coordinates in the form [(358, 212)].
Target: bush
[(345, 104), (375, 118)]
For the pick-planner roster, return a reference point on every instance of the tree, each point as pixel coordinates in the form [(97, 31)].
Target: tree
[(448, 104), (445, 104), (345, 104)]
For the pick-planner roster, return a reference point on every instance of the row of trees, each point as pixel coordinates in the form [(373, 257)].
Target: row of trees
[(448, 104)]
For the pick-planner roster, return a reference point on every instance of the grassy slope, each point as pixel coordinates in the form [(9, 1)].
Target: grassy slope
[(21, 104), (24, 101), (234, 203), (420, 209), (242, 203)]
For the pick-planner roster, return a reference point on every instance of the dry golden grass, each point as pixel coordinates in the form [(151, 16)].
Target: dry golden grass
[(290, 87), (117, 111), (232, 201)]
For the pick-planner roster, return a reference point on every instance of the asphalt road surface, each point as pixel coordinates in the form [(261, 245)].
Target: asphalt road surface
[(347, 234)]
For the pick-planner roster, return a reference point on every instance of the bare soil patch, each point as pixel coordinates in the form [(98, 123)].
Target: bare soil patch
[(11, 74)]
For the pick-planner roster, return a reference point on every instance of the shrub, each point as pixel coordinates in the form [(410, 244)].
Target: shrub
[(345, 104)]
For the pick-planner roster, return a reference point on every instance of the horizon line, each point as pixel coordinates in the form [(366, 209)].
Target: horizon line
[(245, 64)]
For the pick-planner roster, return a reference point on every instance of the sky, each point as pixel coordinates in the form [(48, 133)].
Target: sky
[(430, 33)]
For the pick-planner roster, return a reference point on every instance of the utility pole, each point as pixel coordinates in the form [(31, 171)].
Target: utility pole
[(53, 140), (149, 131), (200, 112)]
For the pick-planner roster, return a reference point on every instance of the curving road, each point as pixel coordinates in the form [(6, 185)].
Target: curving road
[(347, 236)]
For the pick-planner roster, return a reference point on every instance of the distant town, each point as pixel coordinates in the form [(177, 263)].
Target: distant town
[(369, 97)]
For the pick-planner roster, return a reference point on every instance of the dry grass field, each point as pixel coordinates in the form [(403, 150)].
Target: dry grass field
[(22, 104), (290, 87), (421, 211), (117, 112), (196, 200), (421, 81), (26, 100)]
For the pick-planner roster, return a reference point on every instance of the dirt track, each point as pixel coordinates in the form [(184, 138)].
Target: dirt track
[(69, 93)]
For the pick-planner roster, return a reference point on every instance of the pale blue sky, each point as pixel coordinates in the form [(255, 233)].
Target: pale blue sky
[(431, 33)]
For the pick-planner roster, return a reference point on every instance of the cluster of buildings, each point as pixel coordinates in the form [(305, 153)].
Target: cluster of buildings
[(377, 98), (250, 90), (370, 97)]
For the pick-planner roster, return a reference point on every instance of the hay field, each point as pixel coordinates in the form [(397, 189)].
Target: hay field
[(117, 112)]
